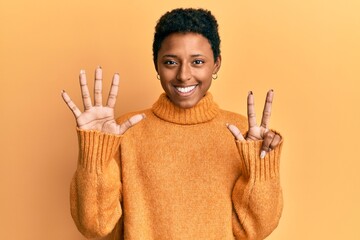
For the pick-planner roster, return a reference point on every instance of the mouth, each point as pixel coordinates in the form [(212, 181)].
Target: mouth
[(184, 91)]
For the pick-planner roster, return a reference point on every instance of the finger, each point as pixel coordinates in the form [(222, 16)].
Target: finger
[(70, 104), (251, 110), (130, 122), (275, 142), (267, 109), (263, 131), (98, 87), (113, 91), (236, 132), (84, 90), (269, 136)]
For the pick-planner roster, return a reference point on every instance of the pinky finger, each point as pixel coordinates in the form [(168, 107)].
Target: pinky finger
[(275, 142), (236, 132), (70, 104)]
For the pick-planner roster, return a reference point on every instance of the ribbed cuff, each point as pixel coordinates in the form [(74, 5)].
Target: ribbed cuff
[(253, 166), (96, 149)]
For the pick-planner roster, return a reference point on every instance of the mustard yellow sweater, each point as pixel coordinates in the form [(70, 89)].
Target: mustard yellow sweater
[(178, 174)]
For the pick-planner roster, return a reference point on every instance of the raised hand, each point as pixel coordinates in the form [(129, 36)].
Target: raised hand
[(256, 132), (99, 117)]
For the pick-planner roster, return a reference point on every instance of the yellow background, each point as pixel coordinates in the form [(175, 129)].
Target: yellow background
[(307, 51)]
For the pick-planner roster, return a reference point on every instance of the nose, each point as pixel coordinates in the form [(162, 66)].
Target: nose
[(184, 73)]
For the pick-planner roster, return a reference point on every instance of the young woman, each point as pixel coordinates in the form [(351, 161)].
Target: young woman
[(184, 169)]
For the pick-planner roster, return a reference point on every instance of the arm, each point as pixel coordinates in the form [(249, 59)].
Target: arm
[(95, 194), (257, 195)]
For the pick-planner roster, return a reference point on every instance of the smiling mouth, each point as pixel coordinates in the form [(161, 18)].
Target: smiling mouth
[(185, 90)]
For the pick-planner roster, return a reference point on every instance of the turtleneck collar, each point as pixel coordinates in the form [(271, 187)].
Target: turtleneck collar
[(205, 110)]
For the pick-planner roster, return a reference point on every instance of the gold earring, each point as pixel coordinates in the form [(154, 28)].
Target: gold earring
[(158, 77), (214, 76)]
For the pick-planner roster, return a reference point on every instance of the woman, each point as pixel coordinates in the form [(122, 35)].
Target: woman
[(175, 171)]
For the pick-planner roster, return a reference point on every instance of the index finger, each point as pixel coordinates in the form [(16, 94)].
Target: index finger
[(251, 110), (267, 109), (113, 91)]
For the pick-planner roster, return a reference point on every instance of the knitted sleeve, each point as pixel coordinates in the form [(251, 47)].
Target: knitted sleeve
[(95, 188), (257, 195)]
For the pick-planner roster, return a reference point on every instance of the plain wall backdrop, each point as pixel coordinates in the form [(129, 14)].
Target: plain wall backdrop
[(307, 51)]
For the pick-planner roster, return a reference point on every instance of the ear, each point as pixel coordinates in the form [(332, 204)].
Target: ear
[(156, 67), (217, 64)]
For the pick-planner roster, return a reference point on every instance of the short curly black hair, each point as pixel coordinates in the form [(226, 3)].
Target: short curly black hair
[(183, 20)]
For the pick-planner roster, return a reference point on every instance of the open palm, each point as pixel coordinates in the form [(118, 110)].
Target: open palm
[(98, 117)]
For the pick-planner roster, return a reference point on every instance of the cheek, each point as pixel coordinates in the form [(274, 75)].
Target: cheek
[(204, 75), (164, 71), (166, 75)]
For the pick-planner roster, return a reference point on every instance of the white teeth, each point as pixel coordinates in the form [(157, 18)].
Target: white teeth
[(185, 89)]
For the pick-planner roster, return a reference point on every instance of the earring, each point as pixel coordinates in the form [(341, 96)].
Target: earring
[(158, 77), (214, 76)]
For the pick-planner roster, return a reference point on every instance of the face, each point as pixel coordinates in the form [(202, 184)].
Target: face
[(185, 64)]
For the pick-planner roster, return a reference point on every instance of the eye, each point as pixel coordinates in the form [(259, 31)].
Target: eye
[(198, 61), (170, 62)]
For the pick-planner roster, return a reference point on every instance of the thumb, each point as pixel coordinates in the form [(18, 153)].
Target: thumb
[(235, 131), (131, 122)]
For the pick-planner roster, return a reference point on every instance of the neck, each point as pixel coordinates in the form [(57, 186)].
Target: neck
[(205, 110)]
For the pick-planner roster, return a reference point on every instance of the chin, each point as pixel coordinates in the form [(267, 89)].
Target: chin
[(185, 102)]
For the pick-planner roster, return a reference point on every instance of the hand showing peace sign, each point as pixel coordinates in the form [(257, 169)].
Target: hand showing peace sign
[(271, 139), (99, 117)]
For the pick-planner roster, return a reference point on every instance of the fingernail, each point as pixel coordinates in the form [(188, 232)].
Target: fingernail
[(62, 91), (99, 67), (262, 154), (227, 124), (82, 71), (250, 93), (144, 116), (272, 90)]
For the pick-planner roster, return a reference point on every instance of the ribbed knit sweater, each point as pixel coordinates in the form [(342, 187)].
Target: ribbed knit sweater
[(178, 174)]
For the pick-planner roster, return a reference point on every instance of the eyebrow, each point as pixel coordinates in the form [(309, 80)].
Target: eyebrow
[(175, 56)]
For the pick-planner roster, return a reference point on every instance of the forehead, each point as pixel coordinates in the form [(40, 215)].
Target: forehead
[(192, 43)]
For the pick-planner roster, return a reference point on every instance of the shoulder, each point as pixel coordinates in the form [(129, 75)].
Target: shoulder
[(236, 119)]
